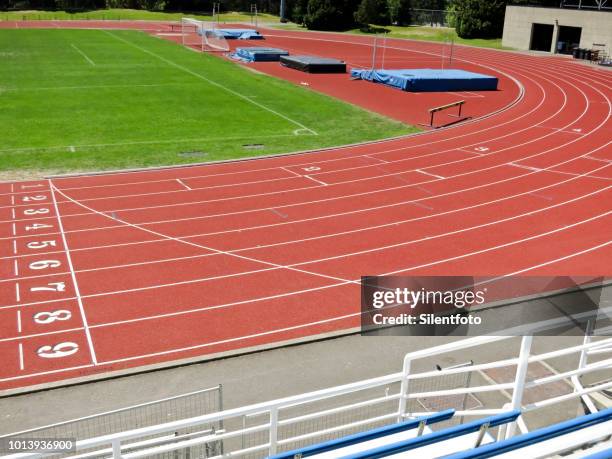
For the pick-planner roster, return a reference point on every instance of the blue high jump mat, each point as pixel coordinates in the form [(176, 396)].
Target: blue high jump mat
[(257, 54), (240, 34), (429, 80)]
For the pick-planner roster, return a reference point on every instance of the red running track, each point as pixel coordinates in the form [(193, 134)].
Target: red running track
[(109, 273)]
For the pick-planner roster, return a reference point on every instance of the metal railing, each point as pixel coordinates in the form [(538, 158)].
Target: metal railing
[(291, 422)]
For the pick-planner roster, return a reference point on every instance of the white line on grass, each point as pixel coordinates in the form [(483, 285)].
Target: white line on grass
[(214, 83), (83, 54)]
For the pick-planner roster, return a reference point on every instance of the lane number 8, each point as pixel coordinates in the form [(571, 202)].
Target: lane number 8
[(49, 317)]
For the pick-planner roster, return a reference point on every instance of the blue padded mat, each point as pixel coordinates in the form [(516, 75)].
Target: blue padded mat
[(243, 34), (257, 54), (429, 79)]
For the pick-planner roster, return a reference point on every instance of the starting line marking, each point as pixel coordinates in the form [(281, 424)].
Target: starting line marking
[(183, 183), (315, 180), (430, 174)]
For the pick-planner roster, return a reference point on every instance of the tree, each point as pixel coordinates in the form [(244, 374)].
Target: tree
[(399, 12), (330, 14), (372, 12), (479, 18)]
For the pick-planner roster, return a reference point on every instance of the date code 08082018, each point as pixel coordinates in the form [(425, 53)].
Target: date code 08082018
[(36, 445)]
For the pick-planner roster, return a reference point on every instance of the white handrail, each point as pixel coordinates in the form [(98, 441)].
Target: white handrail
[(272, 410)]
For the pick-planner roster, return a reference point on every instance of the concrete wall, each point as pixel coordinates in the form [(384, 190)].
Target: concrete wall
[(596, 25)]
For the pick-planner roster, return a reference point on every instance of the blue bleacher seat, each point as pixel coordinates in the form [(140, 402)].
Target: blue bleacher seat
[(435, 437), (546, 433), (365, 436)]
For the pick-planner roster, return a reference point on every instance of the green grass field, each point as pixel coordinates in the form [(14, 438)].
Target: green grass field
[(92, 99)]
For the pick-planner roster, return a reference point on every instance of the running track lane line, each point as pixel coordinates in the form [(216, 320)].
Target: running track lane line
[(92, 350), (214, 83)]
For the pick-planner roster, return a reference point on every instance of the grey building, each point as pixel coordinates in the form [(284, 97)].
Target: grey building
[(557, 30)]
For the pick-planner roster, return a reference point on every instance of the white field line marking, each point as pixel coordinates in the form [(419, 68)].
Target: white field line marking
[(16, 267), (315, 180), (12, 200), (101, 86), (378, 159), (19, 329), (281, 330), (14, 246), (83, 54), (140, 142), (183, 184), (286, 169), (14, 227), (13, 213), (401, 244), (74, 280), (609, 161), (17, 292), (38, 335), (430, 154), (429, 173), (214, 83), (21, 365)]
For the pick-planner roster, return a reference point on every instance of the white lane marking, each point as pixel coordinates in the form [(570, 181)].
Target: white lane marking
[(286, 169), (72, 274), (401, 244), (183, 184), (19, 329), (12, 200), (38, 335), (21, 364), (87, 58), (16, 267), (13, 213), (599, 159), (214, 83), (380, 160), (14, 246), (430, 174), (14, 229), (394, 223), (17, 292), (315, 180)]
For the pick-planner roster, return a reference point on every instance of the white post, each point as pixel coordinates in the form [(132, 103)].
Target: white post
[(519, 381), (273, 430), (382, 66), (116, 449), (403, 400), (374, 53)]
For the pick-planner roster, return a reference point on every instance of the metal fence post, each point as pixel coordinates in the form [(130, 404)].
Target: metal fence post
[(116, 449), (403, 400), (273, 430), (519, 380)]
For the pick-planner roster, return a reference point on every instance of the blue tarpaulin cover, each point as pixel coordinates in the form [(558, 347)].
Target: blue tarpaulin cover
[(243, 34), (257, 54), (429, 79)]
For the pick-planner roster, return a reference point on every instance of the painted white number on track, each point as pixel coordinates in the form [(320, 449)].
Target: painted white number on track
[(45, 264), (481, 148), (52, 287), (37, 226), (38, 197), (58, 350), (311, 169), (41, 211), (41, 244), (50, 317)]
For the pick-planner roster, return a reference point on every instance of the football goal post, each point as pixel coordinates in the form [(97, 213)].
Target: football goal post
[(202, 36)]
